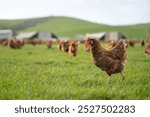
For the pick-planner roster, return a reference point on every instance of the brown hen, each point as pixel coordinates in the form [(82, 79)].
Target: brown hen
[(147, 49), (143, 43), (73, 48), (110, 60), (48, 44)]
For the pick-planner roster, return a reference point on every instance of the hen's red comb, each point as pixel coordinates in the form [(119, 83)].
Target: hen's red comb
[(88, 39)]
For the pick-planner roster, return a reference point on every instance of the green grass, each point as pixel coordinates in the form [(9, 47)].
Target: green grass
[(70, 27), (5, 24), (39, 73)]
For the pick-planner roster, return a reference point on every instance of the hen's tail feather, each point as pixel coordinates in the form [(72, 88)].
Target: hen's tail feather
[(118, 51), (121, 48)]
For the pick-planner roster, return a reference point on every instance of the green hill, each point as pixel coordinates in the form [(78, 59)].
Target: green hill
[(66, 26), (4, 24), (17, 25)]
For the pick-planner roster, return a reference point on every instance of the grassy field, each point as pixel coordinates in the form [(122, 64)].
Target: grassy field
[(4, 24), (39, 73), (70, 27)]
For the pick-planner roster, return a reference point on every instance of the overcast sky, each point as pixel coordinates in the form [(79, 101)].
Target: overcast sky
[(114, 12)]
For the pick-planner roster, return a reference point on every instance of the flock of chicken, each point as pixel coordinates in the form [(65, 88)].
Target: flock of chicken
[(68, 46), (14, 44), (110, 59)]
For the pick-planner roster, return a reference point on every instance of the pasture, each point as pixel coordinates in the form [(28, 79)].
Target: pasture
[(41, 73)]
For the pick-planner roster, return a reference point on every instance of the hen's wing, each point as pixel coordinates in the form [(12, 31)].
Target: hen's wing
[(118, 51), (111, 45)]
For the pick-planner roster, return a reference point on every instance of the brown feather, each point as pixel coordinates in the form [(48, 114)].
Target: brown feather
[(110, 60), (147, 49)]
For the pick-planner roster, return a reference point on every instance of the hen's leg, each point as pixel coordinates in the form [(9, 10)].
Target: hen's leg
[(123, 78)]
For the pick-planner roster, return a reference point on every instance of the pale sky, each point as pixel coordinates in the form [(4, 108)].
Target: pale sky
[(113, 12)]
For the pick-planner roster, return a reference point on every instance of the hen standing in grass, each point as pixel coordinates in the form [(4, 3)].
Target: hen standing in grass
[(142, 43), (147, 49), (73, 48), (48, 44), (110, 60)]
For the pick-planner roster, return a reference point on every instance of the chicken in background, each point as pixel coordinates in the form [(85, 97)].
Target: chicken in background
[(19, 43), (64, 45), (73, 47), (12, 44), (131, 43), (147, 49), (110, 60), (15, 44), (142, 43), (5, 43), (48, 44), (59, 45)]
